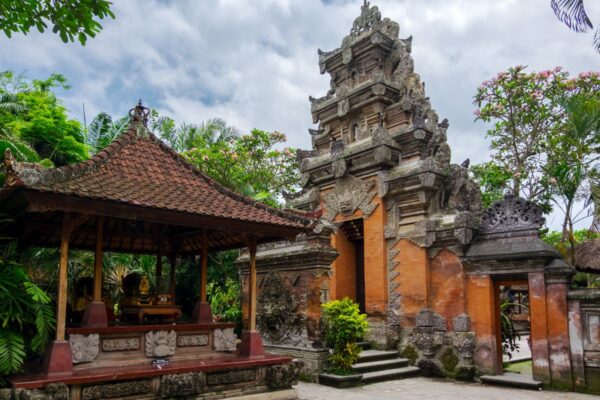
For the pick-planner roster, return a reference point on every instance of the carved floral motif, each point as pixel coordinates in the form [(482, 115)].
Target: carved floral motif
[(348, 195), (224, 340), (180, 385), (84, 348), (225, 378), (120, 344), (160, 343), (511, 214), (192, 340), (121, 389)]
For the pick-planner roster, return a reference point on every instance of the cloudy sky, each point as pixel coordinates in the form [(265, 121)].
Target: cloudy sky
[(254, 62)]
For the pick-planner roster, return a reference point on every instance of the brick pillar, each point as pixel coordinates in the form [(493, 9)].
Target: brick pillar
[(539, 327), (481, 307), (558, 333), (413, 267), (375, 263), (576, 342)]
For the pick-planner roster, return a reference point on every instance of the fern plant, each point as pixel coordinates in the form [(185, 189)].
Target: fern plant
[(26, 314)]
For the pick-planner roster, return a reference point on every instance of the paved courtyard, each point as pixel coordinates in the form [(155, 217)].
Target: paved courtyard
[(430, 389)]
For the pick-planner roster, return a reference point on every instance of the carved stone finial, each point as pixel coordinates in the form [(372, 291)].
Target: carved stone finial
[(369, 18), (511, 215), (139, 114)]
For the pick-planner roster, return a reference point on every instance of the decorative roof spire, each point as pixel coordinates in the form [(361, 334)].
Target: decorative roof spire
[(369, 18), (139, 114)]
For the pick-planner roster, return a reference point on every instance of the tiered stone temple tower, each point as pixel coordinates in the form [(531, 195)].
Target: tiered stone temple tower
[(380, 172), (402, 230)]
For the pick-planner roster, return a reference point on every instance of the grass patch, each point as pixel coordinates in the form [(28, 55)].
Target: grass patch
[(521, 367)]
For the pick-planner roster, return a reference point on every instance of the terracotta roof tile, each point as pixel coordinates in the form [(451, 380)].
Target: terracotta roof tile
[(143, 171)]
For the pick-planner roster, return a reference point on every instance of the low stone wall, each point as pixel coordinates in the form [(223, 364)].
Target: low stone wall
[(314, 360), (190, 385)]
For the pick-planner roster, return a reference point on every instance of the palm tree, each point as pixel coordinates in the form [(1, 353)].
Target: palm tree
[(188, 136), (103, 130), (572, 13)]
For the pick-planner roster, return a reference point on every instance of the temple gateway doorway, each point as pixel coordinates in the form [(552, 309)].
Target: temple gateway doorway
[(353, 230)]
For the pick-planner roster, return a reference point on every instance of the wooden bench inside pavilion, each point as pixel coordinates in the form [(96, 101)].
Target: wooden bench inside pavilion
[(139, 196)]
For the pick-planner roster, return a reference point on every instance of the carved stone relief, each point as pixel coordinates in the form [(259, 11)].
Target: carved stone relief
[(120, 344), (160, 343), (224, 340), (348, 195), (278, 318), (511, 214), (284, 376), (225, 378), (192, 340), (180, 385), (121, 389), (84, 348)]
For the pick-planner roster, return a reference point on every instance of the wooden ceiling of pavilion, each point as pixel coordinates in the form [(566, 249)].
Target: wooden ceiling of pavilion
[(149, 198)]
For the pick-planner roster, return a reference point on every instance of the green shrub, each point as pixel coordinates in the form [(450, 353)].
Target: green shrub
[(343, 326)]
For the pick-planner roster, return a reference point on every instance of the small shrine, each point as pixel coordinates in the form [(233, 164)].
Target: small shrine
[(139, 196)]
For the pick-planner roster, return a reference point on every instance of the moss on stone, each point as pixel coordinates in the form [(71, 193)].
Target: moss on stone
[(411, 354), (449, 361)]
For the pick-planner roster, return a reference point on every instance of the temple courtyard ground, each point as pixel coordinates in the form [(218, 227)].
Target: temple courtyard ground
[(430, 389)]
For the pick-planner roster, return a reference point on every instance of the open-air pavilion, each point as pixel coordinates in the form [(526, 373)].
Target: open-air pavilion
[(139, 196)]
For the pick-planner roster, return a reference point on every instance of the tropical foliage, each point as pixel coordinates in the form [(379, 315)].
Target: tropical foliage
[(544, 140), (26, 315), (35, 125), (573, 14), (70, 19), (343, 326)]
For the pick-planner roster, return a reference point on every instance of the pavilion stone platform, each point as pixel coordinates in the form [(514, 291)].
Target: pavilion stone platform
[(139, 196)]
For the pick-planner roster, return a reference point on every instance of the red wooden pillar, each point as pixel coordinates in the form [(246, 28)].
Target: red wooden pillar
[(252, 345), (95, 312), (202, 311)]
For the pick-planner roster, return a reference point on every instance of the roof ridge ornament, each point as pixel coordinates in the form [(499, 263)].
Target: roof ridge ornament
[(369, 18), (139, 116), (512, 214)]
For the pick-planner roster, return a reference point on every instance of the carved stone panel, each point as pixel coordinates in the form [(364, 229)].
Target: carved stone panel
[(348, 195), (84, 348), (120, 344), (192, 340), (121, 389), (283, 376), (180, 385), (160, 343), (224, 340), (279, 319), (225, 378), (511, 214)]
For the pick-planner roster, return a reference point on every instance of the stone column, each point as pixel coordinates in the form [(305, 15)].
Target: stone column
[(539, 327)]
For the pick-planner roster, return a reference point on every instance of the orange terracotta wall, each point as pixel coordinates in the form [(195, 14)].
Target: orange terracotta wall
[(539, 324), (413, 267), (343, 280), (558, 335), (481, 307), (376, 293), (447, 286)]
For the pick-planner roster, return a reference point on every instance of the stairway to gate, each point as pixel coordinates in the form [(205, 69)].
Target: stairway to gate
[(378, 365)]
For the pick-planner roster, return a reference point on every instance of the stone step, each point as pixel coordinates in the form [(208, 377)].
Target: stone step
[(379, 365), (512, 380), (364, 345), (388, 374), (376, 355)]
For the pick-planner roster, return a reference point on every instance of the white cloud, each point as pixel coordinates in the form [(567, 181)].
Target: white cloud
[(254, 62)]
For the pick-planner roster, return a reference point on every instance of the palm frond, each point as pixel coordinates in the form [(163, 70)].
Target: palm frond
[(597, 40), (572, 13), (12, 352)]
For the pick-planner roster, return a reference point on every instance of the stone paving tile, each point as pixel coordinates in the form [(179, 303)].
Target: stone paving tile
[(430, 389)]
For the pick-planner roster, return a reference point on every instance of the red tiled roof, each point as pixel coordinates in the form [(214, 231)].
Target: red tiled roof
[(141, 170)]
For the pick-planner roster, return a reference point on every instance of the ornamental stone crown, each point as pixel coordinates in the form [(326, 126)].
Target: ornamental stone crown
[(512, 214)]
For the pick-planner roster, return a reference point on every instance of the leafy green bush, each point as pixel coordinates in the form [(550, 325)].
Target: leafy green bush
[(344, 325), (26, 315), (225, 301)]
